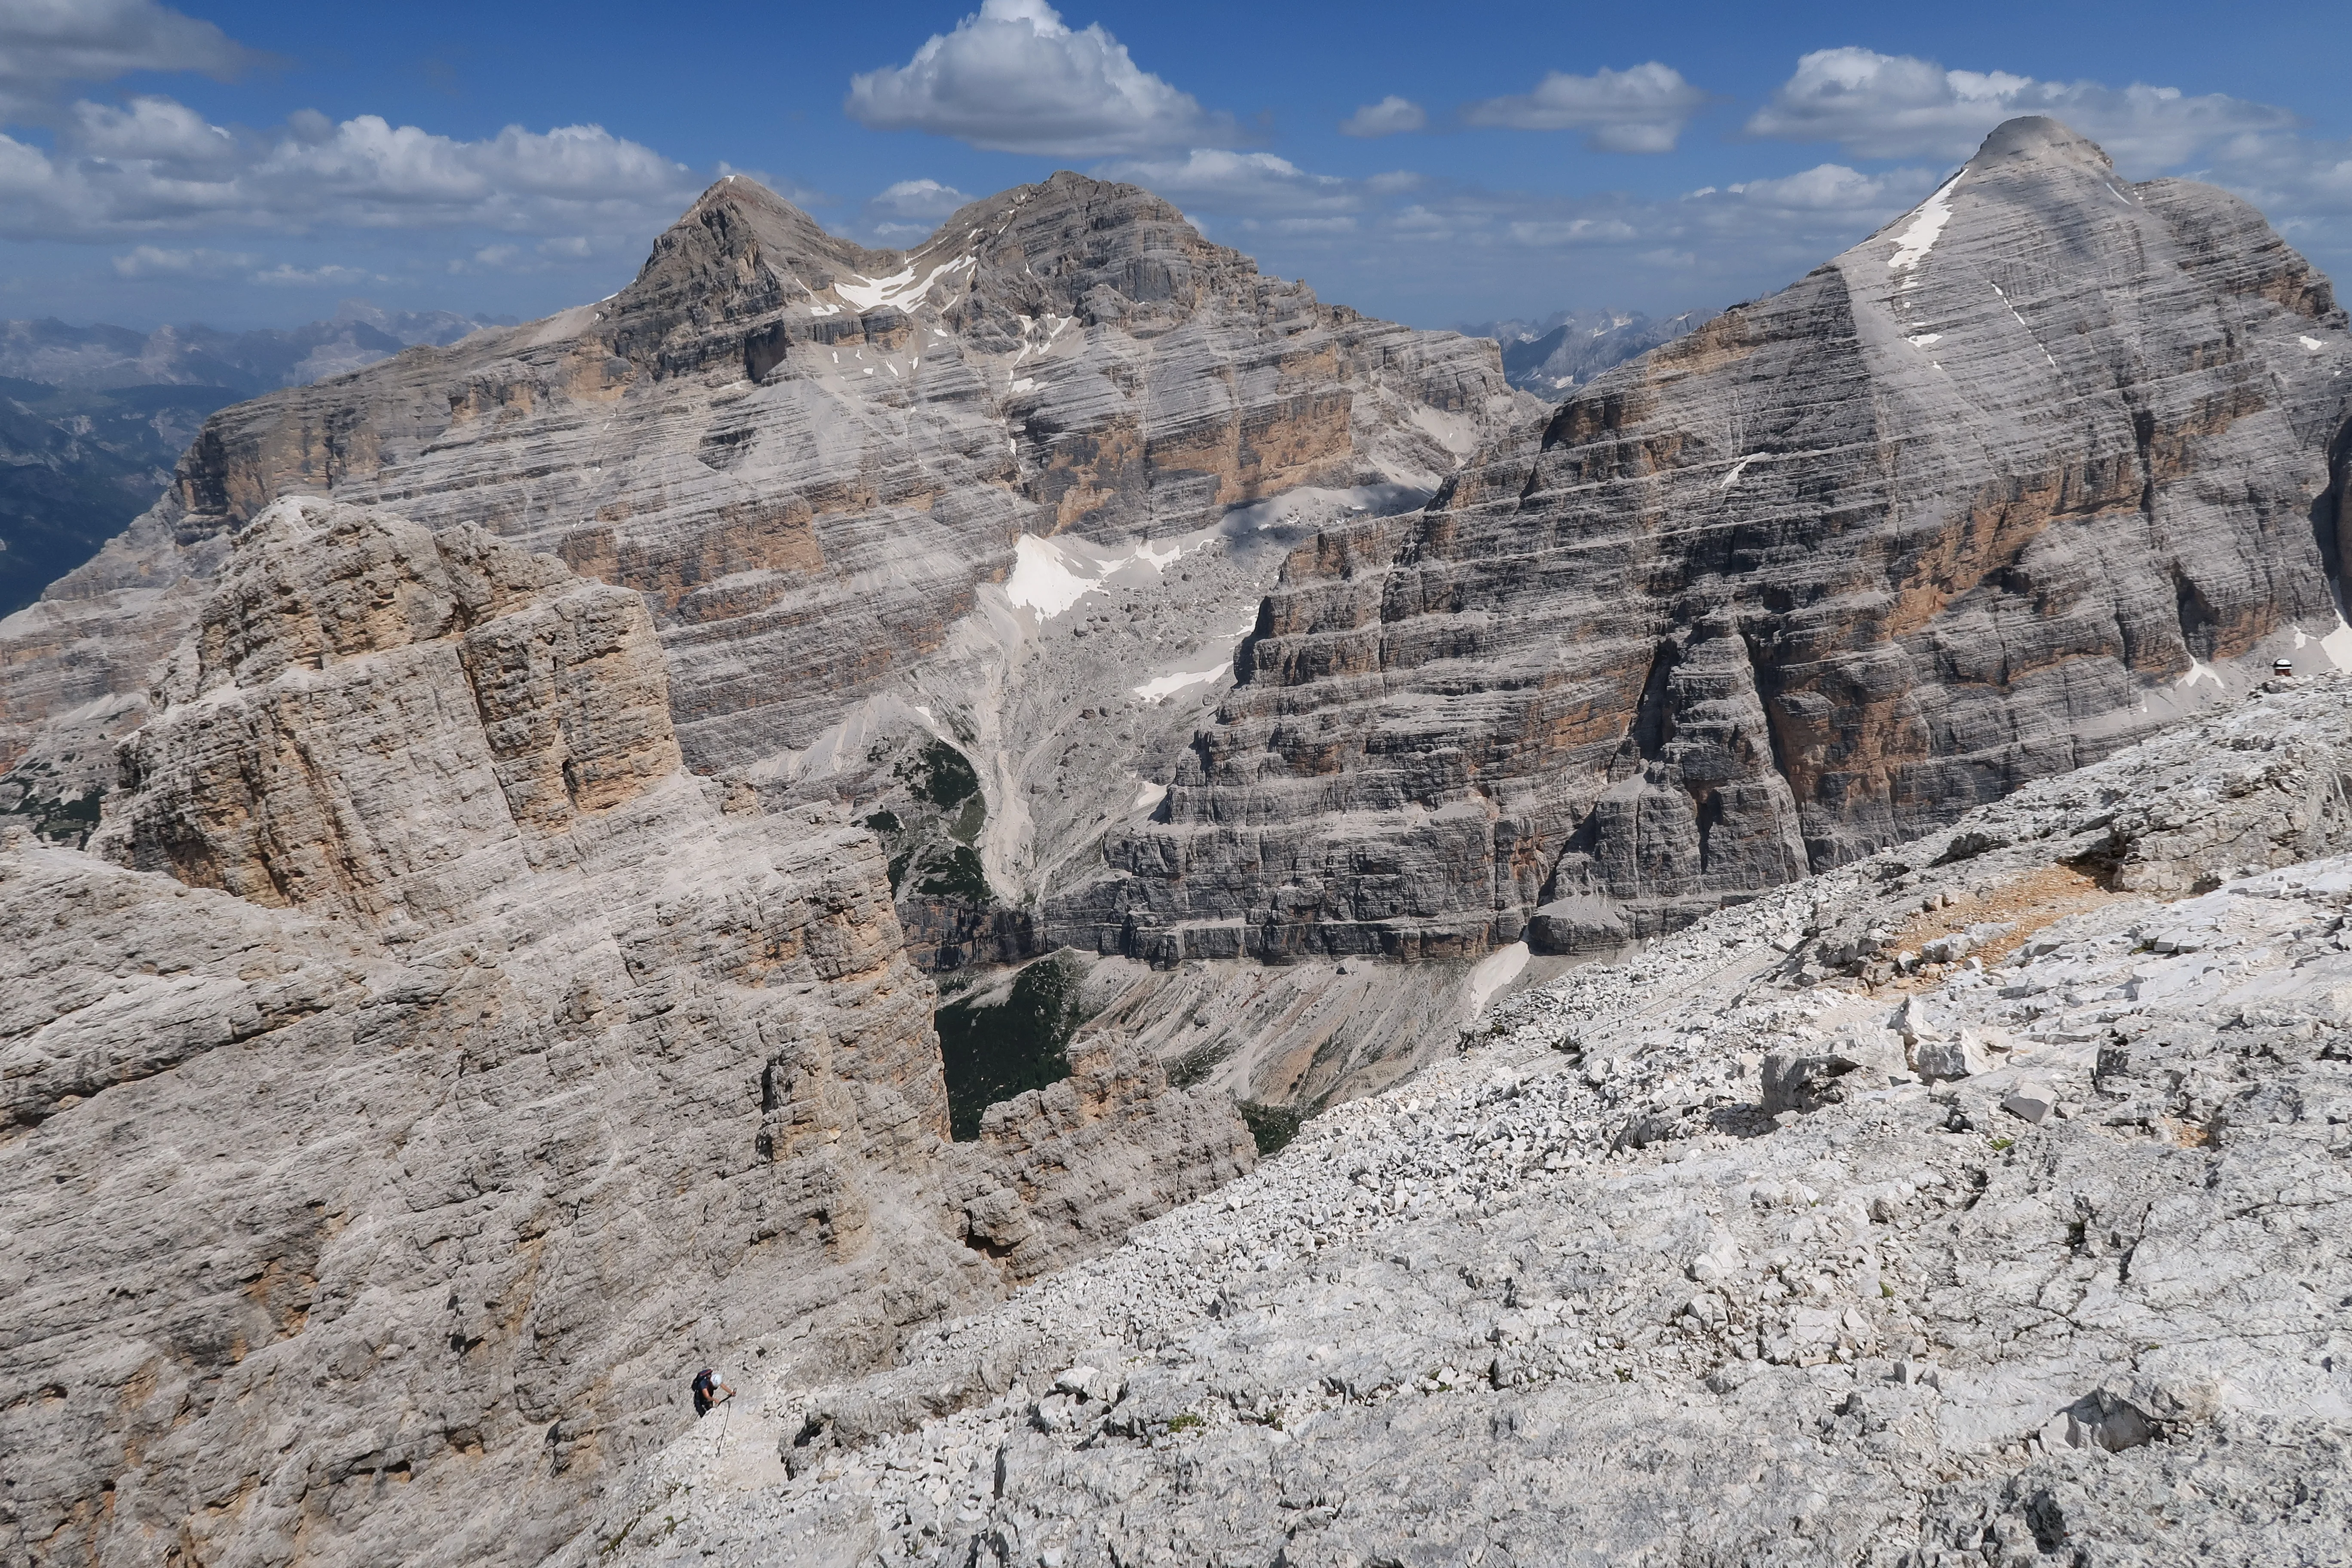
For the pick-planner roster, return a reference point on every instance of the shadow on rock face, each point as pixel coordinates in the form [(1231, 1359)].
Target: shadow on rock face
[(993, 1047)]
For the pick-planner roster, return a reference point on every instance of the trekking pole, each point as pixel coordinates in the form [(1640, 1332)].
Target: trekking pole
[(724, 1421)]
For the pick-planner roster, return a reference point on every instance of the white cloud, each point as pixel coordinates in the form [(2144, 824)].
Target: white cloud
[(153, 261), (1386, 118), (906, 212), (1419, 222), (157, 166), (2292, 178), (333, 275), (44, 44), (1250, 184), (1329, 227), (1572, 232), (1829, 187), (160, 130), (1643, 109), (1014, 78), (917, 199), (1898, 106)]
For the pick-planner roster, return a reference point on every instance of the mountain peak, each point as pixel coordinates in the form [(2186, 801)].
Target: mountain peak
[(2036, 138)]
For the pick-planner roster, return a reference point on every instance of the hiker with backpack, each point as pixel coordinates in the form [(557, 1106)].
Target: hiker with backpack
[(708, 1392)]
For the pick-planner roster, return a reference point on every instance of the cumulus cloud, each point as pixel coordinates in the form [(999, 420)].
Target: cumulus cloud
[(1386, 118), (916, 198), (906, 212), (1898, 106), (1639, 110), (2295, 179), (1573, 231), (156, 165), (1826, 187), (1245, 183), (47, 42), (1015, 78), (151, 128)]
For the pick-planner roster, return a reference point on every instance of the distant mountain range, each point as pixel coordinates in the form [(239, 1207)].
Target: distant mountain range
[(1567, 350), (93, 418)]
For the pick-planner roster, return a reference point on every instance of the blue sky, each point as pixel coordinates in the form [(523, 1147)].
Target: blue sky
[(253, 164)]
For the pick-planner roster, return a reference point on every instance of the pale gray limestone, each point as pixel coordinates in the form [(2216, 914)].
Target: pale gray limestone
[(422, 1070), (1583, 1294)]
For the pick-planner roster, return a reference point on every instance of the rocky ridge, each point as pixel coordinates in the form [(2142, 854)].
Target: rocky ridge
[(2038, 1254), (1990, 495), (423, 1066), (773, 434)]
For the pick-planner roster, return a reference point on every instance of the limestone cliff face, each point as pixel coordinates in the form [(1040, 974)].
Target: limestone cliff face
[(817, 466), (1980, 500), (773, 434), (439, 1070)]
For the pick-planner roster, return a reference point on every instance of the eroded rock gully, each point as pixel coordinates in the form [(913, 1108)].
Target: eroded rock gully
[(1982, 500), (423, 1069)]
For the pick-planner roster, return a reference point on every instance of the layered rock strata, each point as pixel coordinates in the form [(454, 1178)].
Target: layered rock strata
[(439, 1070), (2037, 1259), (817, 463), (1980, 500)]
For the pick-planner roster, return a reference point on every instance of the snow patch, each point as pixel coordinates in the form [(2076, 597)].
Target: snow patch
[(2311, 345), (899, 289), (1921, 340), (1055, 326), (1050, 576), (2198, 672), (1918, 237), (1149, 796), (1495, 971), (1738, 468), (816, 308), (2029, 331), (1455, 431), (1167, 686), (2338, 644)]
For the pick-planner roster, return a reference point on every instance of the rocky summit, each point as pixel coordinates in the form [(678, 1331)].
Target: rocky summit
[(1174, 926)]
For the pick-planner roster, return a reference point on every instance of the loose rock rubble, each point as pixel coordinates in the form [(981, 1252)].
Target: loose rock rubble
[(1704, 1257)]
